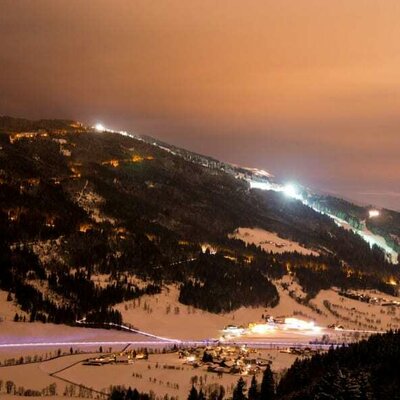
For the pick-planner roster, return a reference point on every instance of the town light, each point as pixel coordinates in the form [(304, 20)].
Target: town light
[(261, 328), (298, 324)]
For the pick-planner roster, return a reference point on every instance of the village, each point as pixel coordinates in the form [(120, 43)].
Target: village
[(233, 360)]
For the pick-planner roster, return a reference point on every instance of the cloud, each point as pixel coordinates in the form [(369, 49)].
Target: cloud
[(307, 89)]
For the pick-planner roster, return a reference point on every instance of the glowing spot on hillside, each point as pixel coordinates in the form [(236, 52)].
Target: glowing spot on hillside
[(374, 213), (100, 127), (291, 190)]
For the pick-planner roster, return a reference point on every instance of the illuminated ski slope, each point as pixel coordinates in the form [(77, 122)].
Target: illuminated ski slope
[(292, 191), (369, 237)]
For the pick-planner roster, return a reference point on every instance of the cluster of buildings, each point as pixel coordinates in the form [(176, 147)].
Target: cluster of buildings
[(225, 359), (134, 159), (43, 133), (15, 137), (365, 298), (124, 357)]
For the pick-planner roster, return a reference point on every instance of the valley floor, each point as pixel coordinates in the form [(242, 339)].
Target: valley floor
[(161, 373), (163, 315)]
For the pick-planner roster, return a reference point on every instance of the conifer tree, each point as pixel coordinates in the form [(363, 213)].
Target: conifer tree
[(351, 387), (238, 392), (193, 394), (365, 387), (201, 395), (267, 385), (253, 390), (330, 386)]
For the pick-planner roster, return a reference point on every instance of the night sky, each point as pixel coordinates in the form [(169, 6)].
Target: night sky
[(307, 89)]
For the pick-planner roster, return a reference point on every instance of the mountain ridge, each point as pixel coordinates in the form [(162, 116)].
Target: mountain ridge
[(77, 202)]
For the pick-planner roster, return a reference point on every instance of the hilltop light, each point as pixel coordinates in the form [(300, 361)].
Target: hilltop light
[(100, 127), (290, 190), (374, 213)]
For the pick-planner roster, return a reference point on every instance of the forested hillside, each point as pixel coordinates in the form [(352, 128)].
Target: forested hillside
[(76, 203)]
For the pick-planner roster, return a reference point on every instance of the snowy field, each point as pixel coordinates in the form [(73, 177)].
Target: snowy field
[(162, 314), (161, 373), (270, 241)]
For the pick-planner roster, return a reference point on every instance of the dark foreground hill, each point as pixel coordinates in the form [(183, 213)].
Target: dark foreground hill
[(76, 203)]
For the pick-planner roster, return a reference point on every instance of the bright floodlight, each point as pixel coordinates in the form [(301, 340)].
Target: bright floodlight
[(290, 190), (298, 324), (100, 127), (374, 213), (261, 328)]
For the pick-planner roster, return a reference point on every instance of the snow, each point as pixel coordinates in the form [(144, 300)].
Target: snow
[(190, 323), (270, 241), (354, 314), (37, 332), (92, 202), (161, 373), (47, 251), (259, 172), (152, 315), (265, 185), (369, 237), (8, 309)]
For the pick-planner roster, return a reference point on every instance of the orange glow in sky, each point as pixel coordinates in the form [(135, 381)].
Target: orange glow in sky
[(306, 89)]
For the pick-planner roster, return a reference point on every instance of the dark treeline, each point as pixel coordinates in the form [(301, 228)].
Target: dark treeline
[(365, 370), (81, 297), (322, 272), (120, 393), (217, 284), (79, 288), (314, 280), (368, 370)]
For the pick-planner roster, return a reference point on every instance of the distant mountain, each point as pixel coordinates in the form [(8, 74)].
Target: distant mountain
[(76, 202)]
